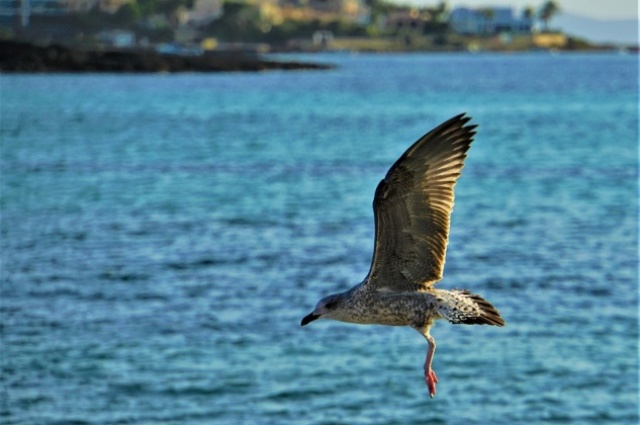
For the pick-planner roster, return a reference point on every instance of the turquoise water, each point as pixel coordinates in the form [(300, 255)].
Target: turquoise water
[(163, 235)]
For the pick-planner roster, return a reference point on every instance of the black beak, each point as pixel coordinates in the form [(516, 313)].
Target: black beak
[(308, 319)]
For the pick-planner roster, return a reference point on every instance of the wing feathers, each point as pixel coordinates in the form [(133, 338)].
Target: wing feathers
[(412, 208)]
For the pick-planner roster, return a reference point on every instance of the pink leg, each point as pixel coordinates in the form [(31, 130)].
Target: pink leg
[(429, 374)]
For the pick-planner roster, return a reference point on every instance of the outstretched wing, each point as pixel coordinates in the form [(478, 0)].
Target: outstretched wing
[(412, 208)]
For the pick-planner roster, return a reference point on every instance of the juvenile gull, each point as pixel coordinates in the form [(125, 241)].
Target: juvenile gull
[(412, 208)]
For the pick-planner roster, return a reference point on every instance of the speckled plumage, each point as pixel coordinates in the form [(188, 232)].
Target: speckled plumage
[(412, 208)]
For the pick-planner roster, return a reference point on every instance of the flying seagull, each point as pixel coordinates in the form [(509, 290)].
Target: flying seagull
[(412, 207)]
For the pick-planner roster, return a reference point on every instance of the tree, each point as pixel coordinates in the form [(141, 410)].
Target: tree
[(547, 11), (379, 8), (127, 15), (441, 12), (528, 12), (488, 14)]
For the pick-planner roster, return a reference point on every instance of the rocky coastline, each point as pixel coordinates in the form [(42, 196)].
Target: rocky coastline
[(24, 57)]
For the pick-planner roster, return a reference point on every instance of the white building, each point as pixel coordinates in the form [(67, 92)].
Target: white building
[(488, 20)]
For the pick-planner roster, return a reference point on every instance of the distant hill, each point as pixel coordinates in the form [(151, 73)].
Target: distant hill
[(618, 31)]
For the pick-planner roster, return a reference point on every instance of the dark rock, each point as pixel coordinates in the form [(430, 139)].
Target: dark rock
[(24, 57)]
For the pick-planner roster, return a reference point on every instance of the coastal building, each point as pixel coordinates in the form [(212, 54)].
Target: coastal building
[(202, 13), (488, 20), (550, 40), (78, 6), (408, 19), (355, 11), (19, 12), (117, 38), (426, 20), (24, 9), (351, 10)]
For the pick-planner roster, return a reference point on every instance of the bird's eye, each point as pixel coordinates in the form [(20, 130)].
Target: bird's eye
[(330, 305)]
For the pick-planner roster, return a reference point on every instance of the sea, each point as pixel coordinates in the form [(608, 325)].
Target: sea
[(163, 235)]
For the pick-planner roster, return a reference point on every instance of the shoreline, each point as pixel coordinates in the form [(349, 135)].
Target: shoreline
[(24, 57)]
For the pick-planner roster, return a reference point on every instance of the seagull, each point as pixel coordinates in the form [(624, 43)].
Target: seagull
[(412, 208)]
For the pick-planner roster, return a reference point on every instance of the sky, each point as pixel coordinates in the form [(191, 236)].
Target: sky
[(597, 9)]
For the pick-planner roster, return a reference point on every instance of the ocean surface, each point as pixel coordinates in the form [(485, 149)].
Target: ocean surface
[(163, 235)]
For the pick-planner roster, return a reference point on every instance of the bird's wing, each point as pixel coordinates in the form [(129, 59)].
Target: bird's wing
[(412, 208)]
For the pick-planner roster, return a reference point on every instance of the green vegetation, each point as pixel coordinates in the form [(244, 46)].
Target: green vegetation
[(547, 11), (243, 22)]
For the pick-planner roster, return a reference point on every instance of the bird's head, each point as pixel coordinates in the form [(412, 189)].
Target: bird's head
[(327, 308)]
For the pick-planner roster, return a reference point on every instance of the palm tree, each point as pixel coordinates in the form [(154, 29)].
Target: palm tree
[(528, 15), (547, 11)]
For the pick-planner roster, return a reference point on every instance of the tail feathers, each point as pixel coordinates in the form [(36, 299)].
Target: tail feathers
[(470, 309)]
